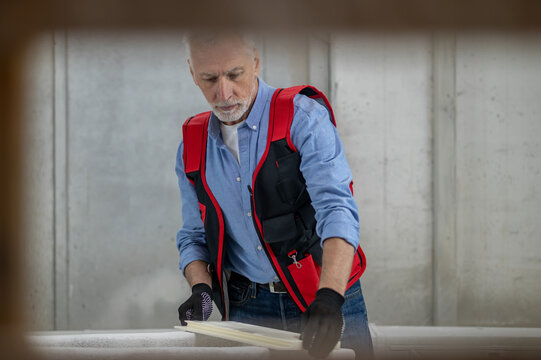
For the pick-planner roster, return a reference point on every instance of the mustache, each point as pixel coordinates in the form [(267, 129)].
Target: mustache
[(228, 103)]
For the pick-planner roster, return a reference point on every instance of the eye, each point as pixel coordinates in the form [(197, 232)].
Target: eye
[(233, 76), (211, 79)]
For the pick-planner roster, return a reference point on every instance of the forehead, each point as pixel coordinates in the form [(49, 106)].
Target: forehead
[(219, 55)]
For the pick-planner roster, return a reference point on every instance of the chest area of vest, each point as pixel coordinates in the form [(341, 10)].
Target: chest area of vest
[(281, 200)]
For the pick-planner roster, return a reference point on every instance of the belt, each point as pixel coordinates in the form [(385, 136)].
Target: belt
[(276, 287)]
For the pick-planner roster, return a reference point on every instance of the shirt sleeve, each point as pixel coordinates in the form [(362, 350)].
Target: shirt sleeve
[(326, 171), (191, 238)]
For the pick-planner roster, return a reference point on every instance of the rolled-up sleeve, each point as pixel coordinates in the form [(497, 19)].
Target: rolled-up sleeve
[(326, 171), (191, 239)]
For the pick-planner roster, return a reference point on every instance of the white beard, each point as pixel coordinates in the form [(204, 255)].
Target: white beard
[(238, 111)]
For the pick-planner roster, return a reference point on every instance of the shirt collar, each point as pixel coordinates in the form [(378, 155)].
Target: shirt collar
[(256, 113)]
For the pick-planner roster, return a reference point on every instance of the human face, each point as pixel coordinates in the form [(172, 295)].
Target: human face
[(226, 72)]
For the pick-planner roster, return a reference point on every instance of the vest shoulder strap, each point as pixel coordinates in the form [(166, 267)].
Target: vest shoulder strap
[(194, 136), (282, 110)]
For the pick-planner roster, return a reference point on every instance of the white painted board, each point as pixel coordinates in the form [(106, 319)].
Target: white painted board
[(247, 333)]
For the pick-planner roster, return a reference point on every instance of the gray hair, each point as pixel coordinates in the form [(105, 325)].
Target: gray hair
[(210, 38)]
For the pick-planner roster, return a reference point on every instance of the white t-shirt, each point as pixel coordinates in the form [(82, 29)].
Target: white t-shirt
[(231, 138)]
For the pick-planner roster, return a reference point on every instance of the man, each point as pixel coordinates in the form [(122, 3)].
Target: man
[(226, 69)]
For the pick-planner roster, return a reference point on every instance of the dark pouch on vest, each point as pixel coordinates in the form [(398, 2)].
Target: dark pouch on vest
[(306, 277), (279, 228), (288, 186), (288, 189), (288, 164)]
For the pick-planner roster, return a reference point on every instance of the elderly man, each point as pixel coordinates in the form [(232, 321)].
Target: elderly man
[(270, 228)]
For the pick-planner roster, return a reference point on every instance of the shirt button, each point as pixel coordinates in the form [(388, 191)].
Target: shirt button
[(254, 127), (259, 247), (248, 214), (238, 179)]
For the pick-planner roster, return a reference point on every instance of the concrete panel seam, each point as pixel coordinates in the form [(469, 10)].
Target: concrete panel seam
[(61, 271), (444, 179)]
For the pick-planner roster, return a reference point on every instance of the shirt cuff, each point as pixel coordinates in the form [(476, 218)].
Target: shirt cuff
[(191, 254), (344, 230)]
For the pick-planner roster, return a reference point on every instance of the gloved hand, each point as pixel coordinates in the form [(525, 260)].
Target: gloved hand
[(198, 306), (322, 323)]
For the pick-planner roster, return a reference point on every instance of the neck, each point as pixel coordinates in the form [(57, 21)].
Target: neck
[(243, 117)]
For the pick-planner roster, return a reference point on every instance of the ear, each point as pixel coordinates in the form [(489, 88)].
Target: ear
[(257, 63), (192, 72)]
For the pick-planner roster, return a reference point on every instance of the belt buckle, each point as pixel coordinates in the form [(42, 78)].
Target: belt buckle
[(275, 291)]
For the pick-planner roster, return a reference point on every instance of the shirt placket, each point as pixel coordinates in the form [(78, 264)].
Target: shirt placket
[(244, 134)]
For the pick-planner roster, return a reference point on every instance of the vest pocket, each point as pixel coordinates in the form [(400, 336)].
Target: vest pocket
[(288, 164), (279, 228), (306, 277), (289, 184), (292, 191)]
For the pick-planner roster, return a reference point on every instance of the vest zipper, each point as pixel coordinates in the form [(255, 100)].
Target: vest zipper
[(254, 214)]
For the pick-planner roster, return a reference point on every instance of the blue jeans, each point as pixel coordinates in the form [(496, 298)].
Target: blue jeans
[(253, 304)]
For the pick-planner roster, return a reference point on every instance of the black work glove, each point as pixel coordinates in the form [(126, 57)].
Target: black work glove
[(198, 306), (322, 323)]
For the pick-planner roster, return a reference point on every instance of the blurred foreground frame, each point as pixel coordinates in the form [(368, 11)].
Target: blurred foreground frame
[(22, 20)]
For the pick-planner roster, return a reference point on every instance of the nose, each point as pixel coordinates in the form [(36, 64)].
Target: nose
[(225, 89)]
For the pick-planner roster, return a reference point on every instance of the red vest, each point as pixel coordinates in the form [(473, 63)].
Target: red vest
[(281, 206)]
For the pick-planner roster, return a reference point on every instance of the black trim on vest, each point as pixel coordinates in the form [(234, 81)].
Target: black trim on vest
[(212, 227), (211, 215)]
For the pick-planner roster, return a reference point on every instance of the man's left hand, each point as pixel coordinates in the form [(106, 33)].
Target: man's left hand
[(322, 323)]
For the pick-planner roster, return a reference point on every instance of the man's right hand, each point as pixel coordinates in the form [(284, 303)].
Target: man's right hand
[(322, 324), (198, 306)]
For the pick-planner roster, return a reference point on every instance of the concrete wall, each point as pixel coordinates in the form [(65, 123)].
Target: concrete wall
[(381, 94), (126, 100), (441, 133), (498, 127)]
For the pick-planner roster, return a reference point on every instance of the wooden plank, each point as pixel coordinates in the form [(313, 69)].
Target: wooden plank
[(247, 333)]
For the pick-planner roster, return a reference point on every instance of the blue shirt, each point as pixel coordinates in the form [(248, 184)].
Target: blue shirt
[(323, 165)]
